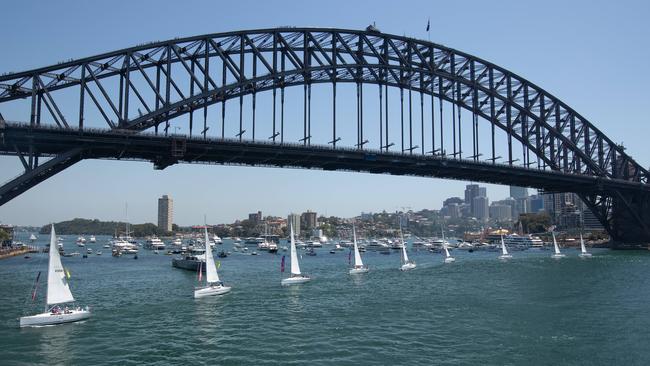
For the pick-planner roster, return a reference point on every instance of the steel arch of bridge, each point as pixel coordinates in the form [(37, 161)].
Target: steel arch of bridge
[(553, 136)]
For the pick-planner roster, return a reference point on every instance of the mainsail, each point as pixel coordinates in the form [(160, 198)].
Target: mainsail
[(211, 275), (295, 267), (357, 256), (557, 249), (58, 291)]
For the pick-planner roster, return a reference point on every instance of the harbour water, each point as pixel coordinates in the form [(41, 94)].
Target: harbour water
[(532, 310)]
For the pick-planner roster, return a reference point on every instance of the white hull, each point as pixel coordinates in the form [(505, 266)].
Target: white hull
[(505, 256), (450, 260), (211, 290), (407, 267), (584, 255), (558, 256), (294, 280), (359, 270), (48, 318)]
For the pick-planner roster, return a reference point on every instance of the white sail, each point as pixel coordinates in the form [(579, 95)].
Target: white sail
[(295, 267), (405, 257), (444, 246), (557, 249), (211, 275), (504, 250), (58, 291), (357, 256), (582, 245)]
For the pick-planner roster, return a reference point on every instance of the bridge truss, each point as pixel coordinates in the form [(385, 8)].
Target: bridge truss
[(444, 96)]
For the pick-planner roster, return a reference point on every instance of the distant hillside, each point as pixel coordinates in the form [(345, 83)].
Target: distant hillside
[(84, 226)]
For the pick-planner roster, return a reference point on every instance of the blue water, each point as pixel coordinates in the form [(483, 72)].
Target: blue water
[(532, 310)]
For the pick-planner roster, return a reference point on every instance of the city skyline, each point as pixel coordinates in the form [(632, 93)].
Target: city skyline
[(98, 189)]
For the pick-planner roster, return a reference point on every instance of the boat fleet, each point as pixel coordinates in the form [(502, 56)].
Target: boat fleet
[(60, 306)]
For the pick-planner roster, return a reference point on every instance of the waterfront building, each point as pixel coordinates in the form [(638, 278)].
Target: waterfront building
[(500, 212), (472, 191), (518, 192), (255, 217), (481, 208), (536, 203), (309, 219), (8, 235), (165, 213), (294, 219)]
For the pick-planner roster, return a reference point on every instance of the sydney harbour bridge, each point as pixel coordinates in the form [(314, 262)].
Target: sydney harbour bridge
[(269, 97)]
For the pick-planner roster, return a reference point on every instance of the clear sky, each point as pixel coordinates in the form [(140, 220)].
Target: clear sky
[(591, 54)]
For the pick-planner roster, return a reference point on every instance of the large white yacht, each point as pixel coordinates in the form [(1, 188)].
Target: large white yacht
[(154, 243)]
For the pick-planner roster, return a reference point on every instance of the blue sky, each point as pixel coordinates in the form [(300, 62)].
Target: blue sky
[(590, 54)]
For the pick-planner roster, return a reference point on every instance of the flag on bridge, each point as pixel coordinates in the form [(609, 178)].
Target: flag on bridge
[(282, 264), (428, 24)]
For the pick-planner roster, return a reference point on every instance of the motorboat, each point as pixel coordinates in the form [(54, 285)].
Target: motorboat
[(154, 243), (193, 260), (92, 239)]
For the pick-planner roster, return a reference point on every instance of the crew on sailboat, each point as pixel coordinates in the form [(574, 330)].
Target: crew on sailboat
[(58, 292), (214, 286)]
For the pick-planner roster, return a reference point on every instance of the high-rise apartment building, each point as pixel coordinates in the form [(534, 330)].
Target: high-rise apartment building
[(165, 213), (294, 219)]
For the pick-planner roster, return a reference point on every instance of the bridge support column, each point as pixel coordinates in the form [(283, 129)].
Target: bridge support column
[(631, 220)]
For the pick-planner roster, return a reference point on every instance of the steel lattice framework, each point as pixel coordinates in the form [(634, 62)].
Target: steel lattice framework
[(183, 77)]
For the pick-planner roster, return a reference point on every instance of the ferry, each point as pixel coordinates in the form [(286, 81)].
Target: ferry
[(376, 245), (523, 241)]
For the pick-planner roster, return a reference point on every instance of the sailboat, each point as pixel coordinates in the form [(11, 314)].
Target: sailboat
[(404, 258), (504, 251), (448, 257), (583, 250), (58, 292), (213, 286), (557, 254), (359, 267), (296, 277), (32, 238)]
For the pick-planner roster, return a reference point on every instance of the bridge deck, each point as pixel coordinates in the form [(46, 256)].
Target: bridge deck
[(166, 150)]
